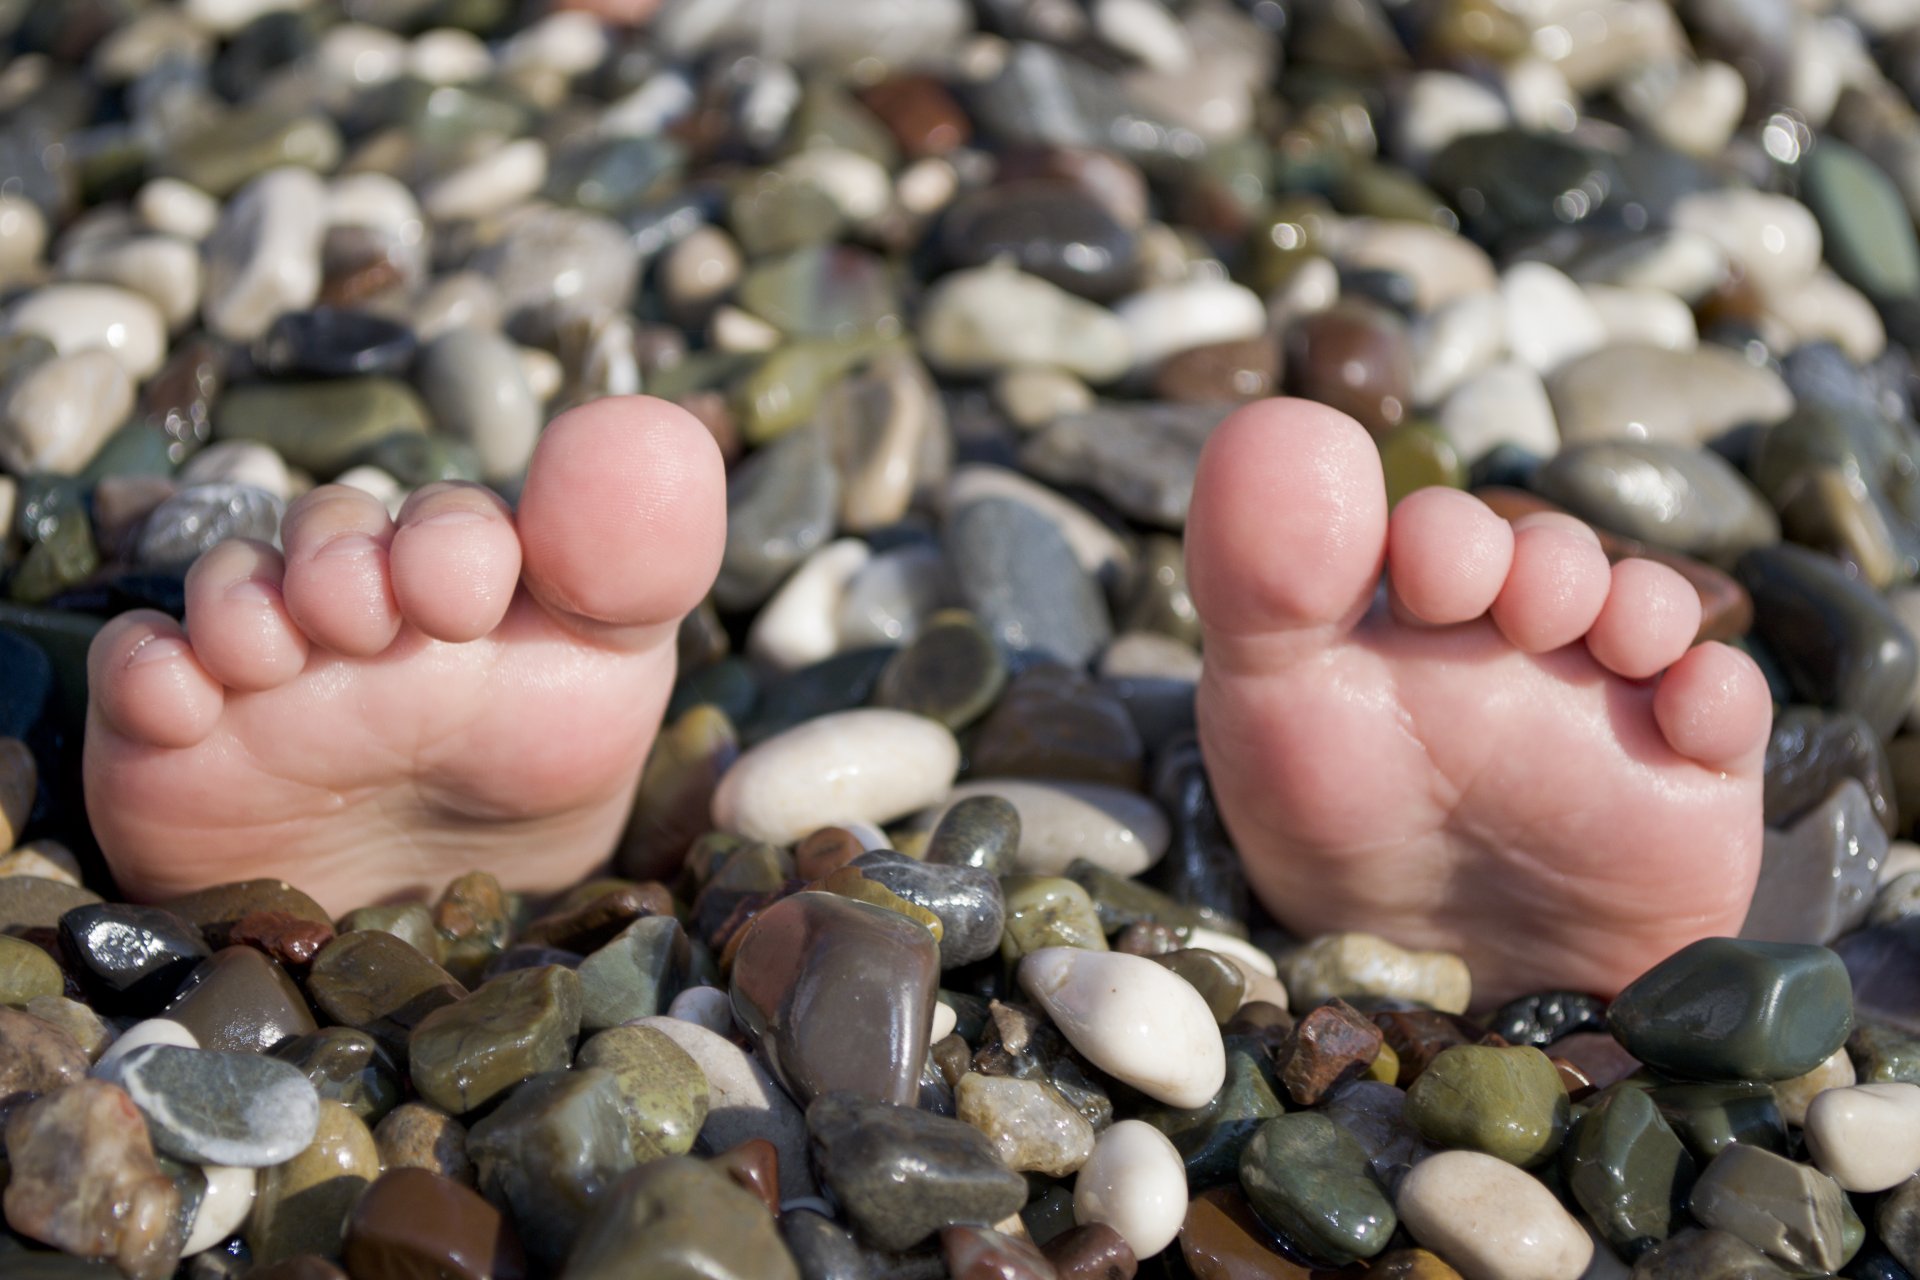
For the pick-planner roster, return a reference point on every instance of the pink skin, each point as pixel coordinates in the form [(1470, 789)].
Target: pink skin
[(1512, 752), (394, 703)]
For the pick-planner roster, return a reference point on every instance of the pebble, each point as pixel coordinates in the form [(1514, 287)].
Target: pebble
[(36, 1056), (1866, 1137), (1628, 1170), (1142, 458), (83, 1179), (1505, 1102), (1031, 1126), (781, 503), (464, 1054), (177, 531), (1357, 357), (1019, 575), (239, 1001), (799, 625), (635, 975), (837, 995), (966, 899), (900, 1174), (474, 385), (986, 319), (207, 1107), (1774, 238), (224, 1206), (1163, 321), (415, 1135), (321, 427), (1134, 1183), (302, 1205), (1358, 964), (263, 257), (411, 1221), (1490, 1219), (867, 765), (1789, 1006), (177, 208), (27, 971), (104, 317), (1672, 496), (1064, 822), (1788, 1210), (1310, 1179), (743, 1102), (665, 1095), (679, 1216), (1132, 1018), (1550, 320), (348, 1067), (952, 671), (238, 462), (1649, 393), (133, 957), (1818, 876)]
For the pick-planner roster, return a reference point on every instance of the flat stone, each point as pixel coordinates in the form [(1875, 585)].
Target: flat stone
[(319, 426), (1488, 1218), (781, 506), (636, 975), (328, 342), (1021, 578), (1311, 1180), (549, 1153), (83, 1179), (1818, 877), (465, 1054), (882, 765), (1628, 1170), (27, 971), (952, 671), (837, 995), (239, 1001), (1675, 496), (411, 1222), (1141, 457), (1650, 393), (664, 1094), (1359, 964), (900, 1174), (210, 1107), (679, 1216), (1132, 1018), (1788, 1210), (377, 982), (1506, 1102), (302, 1205)]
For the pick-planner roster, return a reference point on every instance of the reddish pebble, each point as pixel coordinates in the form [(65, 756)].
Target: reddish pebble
[(284, 936), (824, 852), (1093, 1252), (412, 1223), (923, 115), (754, 1165), (1329, 1046), (978, 1253)]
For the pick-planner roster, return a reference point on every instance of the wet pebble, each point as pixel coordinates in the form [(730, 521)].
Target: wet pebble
[(211, 1107), (1132, 1018)]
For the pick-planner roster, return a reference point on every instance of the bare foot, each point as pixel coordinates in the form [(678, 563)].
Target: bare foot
[(395, 703), (1510, 752)]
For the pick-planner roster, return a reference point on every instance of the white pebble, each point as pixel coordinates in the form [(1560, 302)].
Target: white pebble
[(1491, 1220), (944, 1021), (734, 330), (662, 98), (141, 1034), (368, 478), (1867, 1137), (1441, 265), (1313, 287), (378, 201), (1549, 320), (1438, 106), (1136, 1183), (1795, 1095), (356, 56), (1774, 237), (493, 183), (239, 462), (83, 317), (1144, 31), (56, 416), (801, 624), (1238, 950), (985, 319), (163, 269), (177, 208), (859, 186), (264, 257), (926, 186), (708, 1007), (1178, 317), (227, 16), (1119, 830), (447, 55), (224, 1206), (869, 764), (23, 237), (1541, 98), (1455, 342), (1825, 308), (1652, 317), (1135, 1020), (1505, 404), (567, 42)]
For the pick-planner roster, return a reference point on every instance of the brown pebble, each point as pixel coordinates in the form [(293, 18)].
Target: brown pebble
[(418, 1135), (1356, 357), (1329, 1046), (954, 1057), (1148, 938), (821, 853), (1597, 1056), (238, 1000), (921, 112), (216, 910), (755, 1165), (1418, 1036), (1223, 1240), (1220, 372), (1579, 1088), (36, 1056), (84, 1179), (591, 925), (283, 936), (413, 1223), (1056, 722), (1093, 1252), (981, 1253)]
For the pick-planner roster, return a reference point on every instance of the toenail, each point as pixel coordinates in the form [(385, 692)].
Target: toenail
[(156, 649), (346, 545), (254, 590), (453, 515)]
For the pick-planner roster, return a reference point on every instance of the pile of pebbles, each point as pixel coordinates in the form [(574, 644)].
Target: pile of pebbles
[(960, 289)]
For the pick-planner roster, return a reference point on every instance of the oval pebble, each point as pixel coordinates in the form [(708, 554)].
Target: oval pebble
[(1491, 1220), (1138, 1022), (86, 317), (869, 765), (264, 256), (1135, 1183), (1178, 317), (1866, 1137), (1063, 821), (224, 1206)]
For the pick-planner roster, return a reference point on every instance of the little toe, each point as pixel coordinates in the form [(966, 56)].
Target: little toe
[(1651, 617), (455, 561), (1713, 706), (1289, 522), (337, 584), (623, 516), (237, 616), (1448, 555), (145, 679), (1556, 587)]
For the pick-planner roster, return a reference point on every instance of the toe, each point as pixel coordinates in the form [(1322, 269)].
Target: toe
[(455, 561), (1447, 555), (623, 514), (1556, 587), (1649, 620), (237, 616), (337, 585), (1713, 707), (145, 679), (1288, 523)]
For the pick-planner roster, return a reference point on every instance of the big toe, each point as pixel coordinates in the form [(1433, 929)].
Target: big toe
[(622, 517), (1288, 524)]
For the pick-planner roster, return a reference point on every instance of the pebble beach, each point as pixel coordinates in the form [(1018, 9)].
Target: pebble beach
[(925, 952)]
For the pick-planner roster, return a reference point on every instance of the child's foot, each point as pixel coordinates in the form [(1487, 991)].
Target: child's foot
[(396, 702), (1511, 753)]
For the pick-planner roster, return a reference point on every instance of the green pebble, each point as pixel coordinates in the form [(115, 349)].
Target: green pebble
[(634, 976), (1419, 456), (411, 922), (1310, 1179), (680, 1217), (1507, 1102), (517, 1025), (1727, 1009), (1864, 223), (319, 426), (1047, 911), (663, 1092), (1210, 1138), (26, 971), (1710, 1117), (951, 672), (785, 389), (1884, 1054), (1218, 980), (1628, 1170)]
